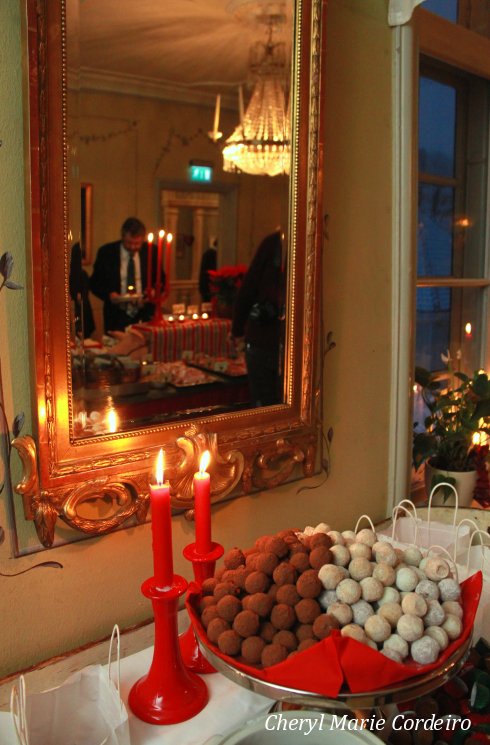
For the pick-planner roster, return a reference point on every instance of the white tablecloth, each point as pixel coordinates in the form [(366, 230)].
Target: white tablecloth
[(228, 706)]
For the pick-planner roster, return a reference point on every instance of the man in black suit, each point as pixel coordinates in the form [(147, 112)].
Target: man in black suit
[(121, 268)]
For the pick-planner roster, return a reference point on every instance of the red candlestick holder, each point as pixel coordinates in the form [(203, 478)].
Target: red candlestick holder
[(169, 693), (203, 566)]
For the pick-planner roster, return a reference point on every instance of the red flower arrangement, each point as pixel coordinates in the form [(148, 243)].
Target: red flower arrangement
[(224, 282)]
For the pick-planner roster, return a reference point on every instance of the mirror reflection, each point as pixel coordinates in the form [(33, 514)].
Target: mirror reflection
[(179, 155)]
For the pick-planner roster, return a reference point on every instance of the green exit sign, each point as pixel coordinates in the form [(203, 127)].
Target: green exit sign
[(201, 173)]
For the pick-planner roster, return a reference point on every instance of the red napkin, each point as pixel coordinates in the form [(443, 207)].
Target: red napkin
[(336, 660)]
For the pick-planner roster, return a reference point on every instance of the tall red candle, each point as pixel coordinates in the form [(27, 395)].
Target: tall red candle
[(161, 527), (149, 266), (161, 233), (168, 263), (202, 505)]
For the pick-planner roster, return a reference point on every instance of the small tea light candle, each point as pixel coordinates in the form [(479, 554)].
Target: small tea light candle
[(181, 317), (195, 316), (170, 319), (204, 315)]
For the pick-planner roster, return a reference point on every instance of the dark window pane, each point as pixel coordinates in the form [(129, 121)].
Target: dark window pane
[(437, 127), (435, 231), (433, 326), (446, 8)]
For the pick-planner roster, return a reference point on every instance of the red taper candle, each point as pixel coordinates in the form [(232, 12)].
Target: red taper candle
[(202, 505), (168, 263), (161, 527), (158, 281), (149, 267)]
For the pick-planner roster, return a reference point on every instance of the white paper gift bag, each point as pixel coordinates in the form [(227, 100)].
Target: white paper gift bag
[(474, 559), (85, 710)]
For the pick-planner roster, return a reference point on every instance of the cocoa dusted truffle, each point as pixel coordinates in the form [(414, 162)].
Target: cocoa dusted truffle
[(229, 575), (246, 623), (233, 558), (288, 594), (284, 574), (283, 616), (219, 573), (206, 602), (266, 562), (307, 610), (252, 649), (230, 642), (304, 631), (228, 607), (298, 548), (257, 582), (306, 644), (261, 541), (273, 654), (324, 624), (277, 546), (308, 584), (288, 533), (267, 631), (215, 628), (241, 575), (320, 555), (260, 603), (225, 588), (272, 591), (320, 539), (208, 614), (208, 585), (300, 561), (251, 561), (287, 639)]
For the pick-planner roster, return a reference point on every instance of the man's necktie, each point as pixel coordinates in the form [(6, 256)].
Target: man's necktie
[(131, 279)]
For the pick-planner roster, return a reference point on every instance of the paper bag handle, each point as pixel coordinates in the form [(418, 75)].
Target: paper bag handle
[(369, 521), (447, 556), (464, 521), (115, 633), (395, 515), (480, 533), (18, 711), (456, 501)]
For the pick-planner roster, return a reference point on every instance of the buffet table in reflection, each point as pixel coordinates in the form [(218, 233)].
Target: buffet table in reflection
[(169, 340)]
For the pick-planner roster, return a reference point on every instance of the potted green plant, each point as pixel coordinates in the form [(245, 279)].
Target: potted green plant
[(448, 446)]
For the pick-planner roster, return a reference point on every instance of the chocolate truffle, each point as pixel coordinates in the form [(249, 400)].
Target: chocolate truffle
[(251, 561), (361, 612), (252, 649), (453, 626), (266, 562), (261, 541), (267, 631), (206, 602), (228, 607), (416, 605), (225, 588), (287, 533), (428, 589), (246, 602), (233, 558), (241, 575), (300, 561), (249, 551), (229, 575), (342, 612), (348, 591), (273, 654), (377, 628), (257, 582), (216, 627), (230, 642), (308, 584), (392, 612), (436, 568), (397, 644), (283, 616), (371, 589), (323, 625), (320, 539), (278, 546), (246, 623), (354, 631), (304, 631), (219, 573), (319, 556), (306, 644), (425, 650), (410, 628), (307, 610), (341, 555), (208, 614), (272, 591), (287, 639), (360, 568), (284, 574), (208, 585), (260, 603), (367, 536), (449, 589), (288, 594)]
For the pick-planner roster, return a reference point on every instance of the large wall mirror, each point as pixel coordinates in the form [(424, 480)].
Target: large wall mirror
[(201, 119)]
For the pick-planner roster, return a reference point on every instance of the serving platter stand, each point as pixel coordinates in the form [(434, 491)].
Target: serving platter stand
[(357, 703)]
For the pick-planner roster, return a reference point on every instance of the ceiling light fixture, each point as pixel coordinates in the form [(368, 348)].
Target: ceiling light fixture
[(260, 144)]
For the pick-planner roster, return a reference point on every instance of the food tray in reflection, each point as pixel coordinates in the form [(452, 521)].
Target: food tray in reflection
[(229, 374)]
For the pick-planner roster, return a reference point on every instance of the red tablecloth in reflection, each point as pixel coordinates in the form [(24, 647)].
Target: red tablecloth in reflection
[(169, 339)]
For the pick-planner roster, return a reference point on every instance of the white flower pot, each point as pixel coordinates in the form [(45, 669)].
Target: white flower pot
[(465, 486)]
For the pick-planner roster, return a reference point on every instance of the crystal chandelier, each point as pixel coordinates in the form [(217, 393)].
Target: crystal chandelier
[(260, 144)]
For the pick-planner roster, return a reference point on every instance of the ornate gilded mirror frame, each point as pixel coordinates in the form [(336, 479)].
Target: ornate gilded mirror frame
[(252, 450)]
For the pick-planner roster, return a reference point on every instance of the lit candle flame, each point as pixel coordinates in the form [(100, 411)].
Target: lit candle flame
[(204, 462), (159, 468), (169, 237), (476, 439), (161, 233), (112, 420), (467, 329), (150, 238)]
